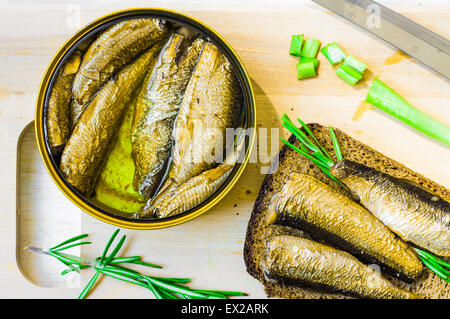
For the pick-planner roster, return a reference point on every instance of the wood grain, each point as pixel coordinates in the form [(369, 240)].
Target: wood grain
[(209, 248)]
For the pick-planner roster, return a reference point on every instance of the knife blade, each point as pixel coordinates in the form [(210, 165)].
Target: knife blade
[(424, 45)]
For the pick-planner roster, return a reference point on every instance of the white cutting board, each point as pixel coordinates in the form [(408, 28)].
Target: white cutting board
[(209, 248)]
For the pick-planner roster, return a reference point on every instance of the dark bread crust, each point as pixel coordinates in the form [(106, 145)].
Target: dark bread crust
[(428, 285)]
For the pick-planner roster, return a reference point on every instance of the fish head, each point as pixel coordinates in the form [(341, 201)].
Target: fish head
[(355, 177)]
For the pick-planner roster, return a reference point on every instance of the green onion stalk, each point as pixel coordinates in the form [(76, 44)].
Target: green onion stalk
[(386, 99)]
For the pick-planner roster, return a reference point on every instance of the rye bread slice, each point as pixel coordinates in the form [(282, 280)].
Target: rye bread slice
[(429, 285)]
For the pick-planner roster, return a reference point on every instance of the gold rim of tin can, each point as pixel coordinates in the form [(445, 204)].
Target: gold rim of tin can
[(69, 47)]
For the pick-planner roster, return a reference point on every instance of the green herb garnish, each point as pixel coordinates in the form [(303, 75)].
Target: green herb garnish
[(311, 149), (161, 287)]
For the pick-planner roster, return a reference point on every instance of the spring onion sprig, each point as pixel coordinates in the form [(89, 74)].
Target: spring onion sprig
[(312, 150), (439, 266), (107, 265), (386, 99), (309, 147), (307, 64), (304, 59)]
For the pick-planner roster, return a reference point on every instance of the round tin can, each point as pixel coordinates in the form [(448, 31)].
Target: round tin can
[(122, 220)]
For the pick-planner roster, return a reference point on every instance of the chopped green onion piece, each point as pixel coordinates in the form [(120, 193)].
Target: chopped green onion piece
[(305, 70), (304, 59), (355, 63), (310, 48), (296, 45), (333, 53), (348, 74), (389, 101)]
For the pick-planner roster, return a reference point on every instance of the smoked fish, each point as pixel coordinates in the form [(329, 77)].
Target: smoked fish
[(195, 190), (210, 105), (300, 261), (57, 119), (84, 152), (417, 216), (306, 203), (156, 108), (115, 47)]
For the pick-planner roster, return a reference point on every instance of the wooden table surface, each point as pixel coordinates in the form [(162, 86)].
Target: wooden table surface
[(209, 248)]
